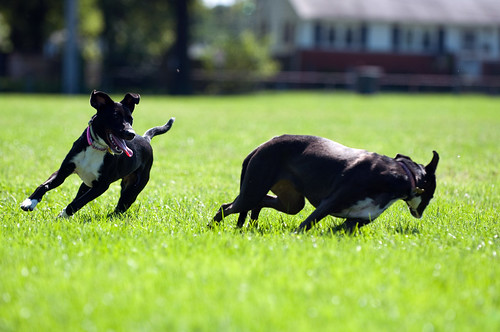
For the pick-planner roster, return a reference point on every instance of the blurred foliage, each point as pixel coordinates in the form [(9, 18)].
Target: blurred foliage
[(31, 22), (91, 25), (232, 55), (124, 31), (5, 43), (237, 63), (136, 32), (131, 42), (223, 22)]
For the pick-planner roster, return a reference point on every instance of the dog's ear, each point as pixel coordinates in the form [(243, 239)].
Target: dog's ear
[(402, 156), (431, 168), (130, 100), (98, 99)]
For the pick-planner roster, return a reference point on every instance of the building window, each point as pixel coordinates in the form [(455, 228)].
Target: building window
[(340, 36), (486, 49), (441, 46), (349, 38), (468, 40), (409, 39), (396, 32), (426, 41), (288, 33), (331, 36), (363, 35), (317, 34), (486, 41)]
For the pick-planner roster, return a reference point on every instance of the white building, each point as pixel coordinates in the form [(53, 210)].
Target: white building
[(453, 37)]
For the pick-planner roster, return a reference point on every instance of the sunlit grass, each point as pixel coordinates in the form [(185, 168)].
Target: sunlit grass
[(159, 268)]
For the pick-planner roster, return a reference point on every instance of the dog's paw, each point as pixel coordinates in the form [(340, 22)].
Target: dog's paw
[(29, 204), (63, 214)]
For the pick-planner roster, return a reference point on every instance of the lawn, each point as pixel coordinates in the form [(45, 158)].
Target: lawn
[(158, 268)]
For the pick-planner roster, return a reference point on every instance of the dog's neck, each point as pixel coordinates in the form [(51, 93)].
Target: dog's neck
[(94, 142), (410, 175)]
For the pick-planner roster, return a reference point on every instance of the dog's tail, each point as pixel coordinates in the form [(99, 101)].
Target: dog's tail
[(150, 133)]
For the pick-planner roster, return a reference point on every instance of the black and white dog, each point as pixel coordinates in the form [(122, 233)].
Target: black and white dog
[(107, 150), (337, 180)]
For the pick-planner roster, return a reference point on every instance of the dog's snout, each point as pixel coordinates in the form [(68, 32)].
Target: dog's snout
[(415, 214)]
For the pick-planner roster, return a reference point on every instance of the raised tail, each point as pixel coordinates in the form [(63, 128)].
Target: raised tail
[(150, 133)]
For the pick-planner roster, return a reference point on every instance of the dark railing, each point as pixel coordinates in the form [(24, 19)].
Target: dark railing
[(352, 80)]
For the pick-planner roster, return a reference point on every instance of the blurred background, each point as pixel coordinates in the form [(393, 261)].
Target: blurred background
[(188, 47)]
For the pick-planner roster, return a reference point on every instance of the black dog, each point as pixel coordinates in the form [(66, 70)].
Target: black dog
[(337, 180), (108, 150)]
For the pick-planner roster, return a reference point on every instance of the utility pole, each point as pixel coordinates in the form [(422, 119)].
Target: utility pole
[(71, 76), (181, 84)]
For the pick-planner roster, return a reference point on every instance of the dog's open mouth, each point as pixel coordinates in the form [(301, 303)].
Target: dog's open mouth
[(118, 145)]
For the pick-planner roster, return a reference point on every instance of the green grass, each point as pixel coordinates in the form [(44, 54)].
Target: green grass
[(158, 268)]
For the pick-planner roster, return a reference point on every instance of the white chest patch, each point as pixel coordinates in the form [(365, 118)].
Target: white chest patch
[(365, 209), (88, 162)]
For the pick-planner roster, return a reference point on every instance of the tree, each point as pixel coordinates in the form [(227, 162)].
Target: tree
[(135, 37), (31, 22), (243, 61), (180, 71)]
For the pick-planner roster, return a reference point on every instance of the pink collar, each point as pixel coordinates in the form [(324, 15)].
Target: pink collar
[(91, 143)]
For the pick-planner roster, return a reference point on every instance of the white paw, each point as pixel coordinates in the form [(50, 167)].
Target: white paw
[(29, 204), (63, 214)]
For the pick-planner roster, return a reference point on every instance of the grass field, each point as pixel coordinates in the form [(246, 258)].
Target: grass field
[(158, 268)]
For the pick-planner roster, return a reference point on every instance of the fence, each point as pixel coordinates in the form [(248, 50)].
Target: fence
[(353, 81)]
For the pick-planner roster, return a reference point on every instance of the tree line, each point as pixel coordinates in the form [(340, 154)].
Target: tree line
[(129, 43)]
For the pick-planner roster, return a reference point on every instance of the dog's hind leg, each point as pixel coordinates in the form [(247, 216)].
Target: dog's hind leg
[(131, 185), (268, 201), (289, 203), (241, 219), (227, 209), (237, 206), (255, 182)]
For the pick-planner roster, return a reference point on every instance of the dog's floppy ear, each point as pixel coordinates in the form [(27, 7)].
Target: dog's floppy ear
[(431, 168), (98, 99), (130, 100)]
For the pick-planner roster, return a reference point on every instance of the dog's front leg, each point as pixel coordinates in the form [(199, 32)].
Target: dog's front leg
[(321, 211), (55, 180), (97, 190)]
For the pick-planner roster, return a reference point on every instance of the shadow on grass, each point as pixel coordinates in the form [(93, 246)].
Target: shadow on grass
[(406, 229), (336, 230)]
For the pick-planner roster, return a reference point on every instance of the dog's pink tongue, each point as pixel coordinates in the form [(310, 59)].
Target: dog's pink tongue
[(128, 152), (121, 143)]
